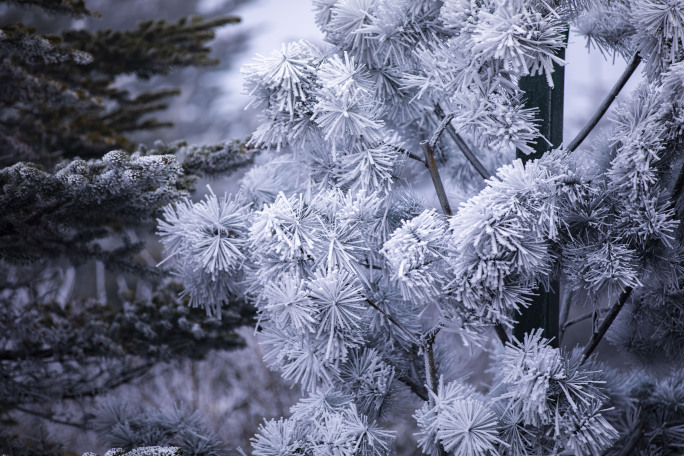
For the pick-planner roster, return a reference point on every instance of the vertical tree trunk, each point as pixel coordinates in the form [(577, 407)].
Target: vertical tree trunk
[(543, 312)]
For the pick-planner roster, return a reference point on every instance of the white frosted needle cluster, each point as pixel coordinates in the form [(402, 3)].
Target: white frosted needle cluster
[(414, 253), (500, 239), (206, 243), (211, 233)]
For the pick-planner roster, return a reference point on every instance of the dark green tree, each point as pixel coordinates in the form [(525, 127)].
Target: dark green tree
[(74, 191)]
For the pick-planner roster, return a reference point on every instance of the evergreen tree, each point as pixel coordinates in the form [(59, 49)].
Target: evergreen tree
[(74, 189), (363, 292)]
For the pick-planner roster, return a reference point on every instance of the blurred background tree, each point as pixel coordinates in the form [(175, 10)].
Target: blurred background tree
[(84, 310)]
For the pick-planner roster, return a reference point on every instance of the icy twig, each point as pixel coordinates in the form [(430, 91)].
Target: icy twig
[(633, 64)]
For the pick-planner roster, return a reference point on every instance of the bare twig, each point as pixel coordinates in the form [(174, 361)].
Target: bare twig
[(563, 315), (429, 358), (416, 158), (633, 440), (394, 321), (49, 417), (501, 333), (633, 64), (411, 155), (446, 208), (436, 180), (677, 190), (582, 317), (605, 324), (470, 156), (440, 129), (430, 372), (417, 388)]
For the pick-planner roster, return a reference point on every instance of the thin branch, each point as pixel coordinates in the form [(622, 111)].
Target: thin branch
[(394, 321), (633, 64), (440, 129), (49, 417), (677, 190), (416, 158), (436, 180), (501, 333), (417, 388), (614, 311), (444, 202), (130, 375), (370, 266), (429, 358), (564, 312), (431, 372), (633, 440), (582, 317), (477, 164), (411, 155)]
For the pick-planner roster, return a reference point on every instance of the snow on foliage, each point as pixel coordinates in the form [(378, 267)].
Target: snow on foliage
[(353, 277)]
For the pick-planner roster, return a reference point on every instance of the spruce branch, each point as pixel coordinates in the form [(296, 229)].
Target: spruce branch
[(607, 321), (49, 417), (603, 108)]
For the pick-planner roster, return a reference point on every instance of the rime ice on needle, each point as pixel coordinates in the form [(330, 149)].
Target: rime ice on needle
[(352, 276)]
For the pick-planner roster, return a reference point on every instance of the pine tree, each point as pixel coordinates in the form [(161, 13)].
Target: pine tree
[(364, 292), (74, 191)]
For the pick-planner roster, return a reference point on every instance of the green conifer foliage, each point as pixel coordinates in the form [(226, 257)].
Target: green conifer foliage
[(59, 93), (74, 188)]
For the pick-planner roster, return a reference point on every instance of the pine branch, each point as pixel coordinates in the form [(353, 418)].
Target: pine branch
[(582, 317), (614, 311), (430, 372), (632, 442), (436, 180), (440, 129), (564, 312), (501, 334), (393, 320), (603, 108), (477, 164)]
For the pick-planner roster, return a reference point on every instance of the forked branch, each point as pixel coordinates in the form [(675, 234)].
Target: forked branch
[(469, 155), (605, 324)]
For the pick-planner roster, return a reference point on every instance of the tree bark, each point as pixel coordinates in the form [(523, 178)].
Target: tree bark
[(543, 312)]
